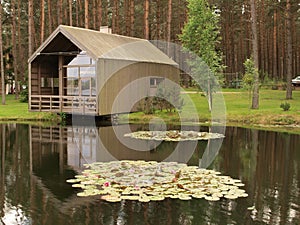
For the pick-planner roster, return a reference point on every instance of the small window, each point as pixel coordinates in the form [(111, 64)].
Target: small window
[(155, 81), (49, 82)]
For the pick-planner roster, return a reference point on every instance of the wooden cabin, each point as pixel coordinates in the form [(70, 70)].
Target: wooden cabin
[(82, 71)]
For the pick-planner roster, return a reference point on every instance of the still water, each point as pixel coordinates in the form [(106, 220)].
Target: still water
[(36, 161)]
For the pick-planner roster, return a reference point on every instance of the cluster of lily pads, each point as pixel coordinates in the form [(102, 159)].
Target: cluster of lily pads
[(173, 135), (146, 181)]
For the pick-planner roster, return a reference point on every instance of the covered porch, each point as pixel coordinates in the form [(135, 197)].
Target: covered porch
[(63, 79)]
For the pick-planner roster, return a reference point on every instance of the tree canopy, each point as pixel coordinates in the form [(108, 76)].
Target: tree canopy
[(278, 29)]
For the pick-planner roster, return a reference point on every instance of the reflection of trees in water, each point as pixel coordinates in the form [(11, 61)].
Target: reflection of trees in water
[(267, 162), (15, 163)]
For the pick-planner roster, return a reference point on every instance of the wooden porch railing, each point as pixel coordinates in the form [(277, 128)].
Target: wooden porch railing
[(85, 105)]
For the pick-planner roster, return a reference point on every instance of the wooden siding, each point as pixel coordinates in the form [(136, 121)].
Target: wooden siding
[(124, 72), (126, 75), (39, 71)]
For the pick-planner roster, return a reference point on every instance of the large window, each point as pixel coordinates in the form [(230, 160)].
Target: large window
[(81, 76)]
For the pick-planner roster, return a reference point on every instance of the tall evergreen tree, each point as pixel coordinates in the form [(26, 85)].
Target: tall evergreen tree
[(255, 93), (289, 60), (1, 58)]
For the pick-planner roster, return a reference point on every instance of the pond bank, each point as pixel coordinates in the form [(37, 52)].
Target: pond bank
[(278, 122), (270, 116)]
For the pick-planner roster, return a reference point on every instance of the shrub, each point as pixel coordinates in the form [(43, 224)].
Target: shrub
[(285, 106), (24, 95)]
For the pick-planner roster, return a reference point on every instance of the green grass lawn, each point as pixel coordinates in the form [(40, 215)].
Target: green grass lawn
[(16, 110), (236, 101), (238, 108)]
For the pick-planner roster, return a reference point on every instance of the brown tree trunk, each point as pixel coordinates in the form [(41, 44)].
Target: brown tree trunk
[(289, 60), (275, 59), (30, 27), (169, 19), (21, 55), (42, 20), (77, 13), (14, 47), (158, 16), (80, 10), (99, 14), (94, 14), (127, 16), (132, 18), (255, 94), (262, 32), (1, 59), (146, 19), (86, 14), (59, 12), (115, 18), (70, 13), (49, 16)]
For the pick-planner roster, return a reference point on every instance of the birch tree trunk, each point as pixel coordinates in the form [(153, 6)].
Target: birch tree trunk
[(255, 94), (289, 61)]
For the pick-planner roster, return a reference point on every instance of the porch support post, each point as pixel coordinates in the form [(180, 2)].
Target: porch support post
[(61, 80), (29, 85)]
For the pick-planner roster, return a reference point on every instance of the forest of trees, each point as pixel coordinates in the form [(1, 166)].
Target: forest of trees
[(26, 24)]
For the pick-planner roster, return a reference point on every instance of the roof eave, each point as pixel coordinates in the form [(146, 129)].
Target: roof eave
[(59, 29), (45, 43), (78, 44)]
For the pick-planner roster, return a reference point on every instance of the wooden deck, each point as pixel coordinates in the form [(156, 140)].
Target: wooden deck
[(68, 104)]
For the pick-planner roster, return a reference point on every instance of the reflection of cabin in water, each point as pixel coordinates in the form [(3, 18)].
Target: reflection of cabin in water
[(75, 146), (82, 71)]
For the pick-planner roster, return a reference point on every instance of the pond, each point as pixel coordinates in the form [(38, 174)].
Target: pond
[(36, 161)]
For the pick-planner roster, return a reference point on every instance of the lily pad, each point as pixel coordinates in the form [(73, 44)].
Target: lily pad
[(173, 135), (154, 181), (184, 197), (212, 198), (231, 196), (73, 180)]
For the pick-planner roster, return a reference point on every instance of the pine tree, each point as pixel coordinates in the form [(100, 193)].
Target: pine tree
[(1, 59), (255, 93)]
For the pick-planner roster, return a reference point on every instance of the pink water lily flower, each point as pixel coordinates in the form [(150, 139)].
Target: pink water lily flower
[(107, 184)]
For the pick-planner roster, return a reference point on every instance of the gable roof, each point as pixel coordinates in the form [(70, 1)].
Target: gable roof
[(101, 45)]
